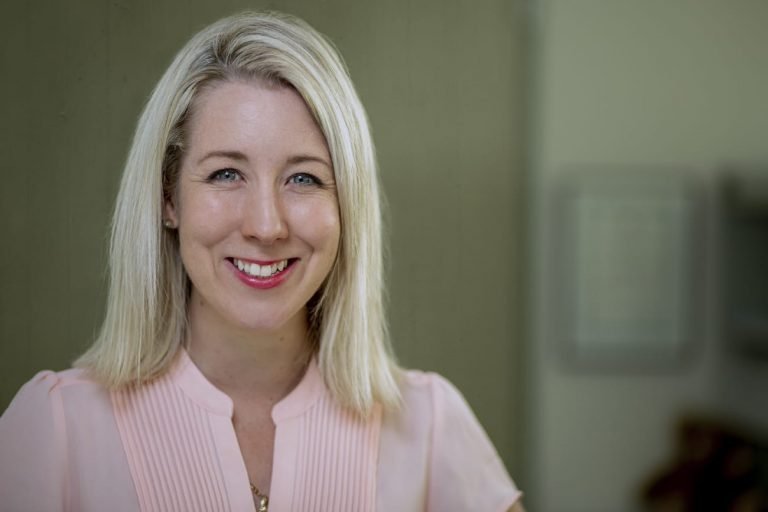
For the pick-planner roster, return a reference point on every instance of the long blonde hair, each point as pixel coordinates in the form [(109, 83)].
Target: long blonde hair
[(145, 321)]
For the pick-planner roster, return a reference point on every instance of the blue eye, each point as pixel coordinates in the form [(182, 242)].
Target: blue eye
[(303, 179), (224, 175)]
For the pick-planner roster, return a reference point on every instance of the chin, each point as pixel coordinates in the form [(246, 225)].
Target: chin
[(267, 324)]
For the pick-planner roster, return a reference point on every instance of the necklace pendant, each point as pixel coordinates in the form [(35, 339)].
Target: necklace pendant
[(262, 500)]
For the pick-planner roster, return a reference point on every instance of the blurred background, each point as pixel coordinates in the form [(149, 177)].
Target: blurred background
[(577, 209)]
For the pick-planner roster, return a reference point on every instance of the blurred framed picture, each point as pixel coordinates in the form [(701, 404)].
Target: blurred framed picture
[(628, 262)]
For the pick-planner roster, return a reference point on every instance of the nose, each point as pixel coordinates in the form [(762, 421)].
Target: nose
[(264, 216)]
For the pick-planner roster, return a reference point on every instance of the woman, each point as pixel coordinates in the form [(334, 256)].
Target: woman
[(243, 361)]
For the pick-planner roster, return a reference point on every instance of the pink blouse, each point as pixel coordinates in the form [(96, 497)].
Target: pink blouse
[(68, 444)]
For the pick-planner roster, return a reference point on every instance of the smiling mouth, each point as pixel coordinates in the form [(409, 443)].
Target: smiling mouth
[(263, 271)]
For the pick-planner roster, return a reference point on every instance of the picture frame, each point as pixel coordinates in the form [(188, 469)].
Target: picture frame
[(628, 247)]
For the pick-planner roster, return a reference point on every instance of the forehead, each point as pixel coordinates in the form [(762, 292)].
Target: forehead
[(253, 115)]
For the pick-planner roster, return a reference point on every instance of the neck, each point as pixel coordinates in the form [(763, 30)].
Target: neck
[(257, 366)]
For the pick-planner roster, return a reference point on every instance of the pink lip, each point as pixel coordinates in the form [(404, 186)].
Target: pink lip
[(262, 283)]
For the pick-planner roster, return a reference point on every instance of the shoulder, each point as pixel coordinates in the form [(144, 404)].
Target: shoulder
[(57, 437), (431, 409), (47, 380), (449, 452), (431, 394), (33, 433), (44, 396), (49, 397)]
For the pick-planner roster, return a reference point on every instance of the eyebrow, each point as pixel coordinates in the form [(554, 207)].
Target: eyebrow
[(299, 159), (234, 155), (237, 155)]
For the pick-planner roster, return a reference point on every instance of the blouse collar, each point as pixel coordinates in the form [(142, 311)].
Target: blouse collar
[(194, 384)]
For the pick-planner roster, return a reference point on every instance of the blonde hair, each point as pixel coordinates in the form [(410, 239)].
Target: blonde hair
[(144, 325)]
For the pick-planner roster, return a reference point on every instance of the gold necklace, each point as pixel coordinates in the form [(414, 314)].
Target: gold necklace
[(262, 500)]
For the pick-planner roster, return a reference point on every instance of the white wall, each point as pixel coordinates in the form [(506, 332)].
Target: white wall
[(681, 83)]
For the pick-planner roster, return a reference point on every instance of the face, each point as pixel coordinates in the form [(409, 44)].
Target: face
[(255, 206)]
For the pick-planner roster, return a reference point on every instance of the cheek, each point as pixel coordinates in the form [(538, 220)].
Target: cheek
[(329, 225), (205, 219), (317, 221)]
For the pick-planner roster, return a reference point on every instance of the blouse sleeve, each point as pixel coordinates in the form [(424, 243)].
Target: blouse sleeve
[(466, 471), (31, 448)]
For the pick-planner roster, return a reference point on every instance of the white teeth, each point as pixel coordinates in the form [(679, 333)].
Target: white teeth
[(256, 270)]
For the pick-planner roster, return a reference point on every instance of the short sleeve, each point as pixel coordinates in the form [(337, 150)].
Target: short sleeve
[(31, 448), (466, 472)]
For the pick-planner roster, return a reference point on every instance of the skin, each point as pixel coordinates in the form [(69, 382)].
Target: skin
[(256, 183)]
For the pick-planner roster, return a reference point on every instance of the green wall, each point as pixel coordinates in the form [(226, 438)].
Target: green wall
[(442, 83)]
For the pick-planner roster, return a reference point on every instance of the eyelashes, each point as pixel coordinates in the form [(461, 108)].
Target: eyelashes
[(224, 176), (301, 179), (305, 179)]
